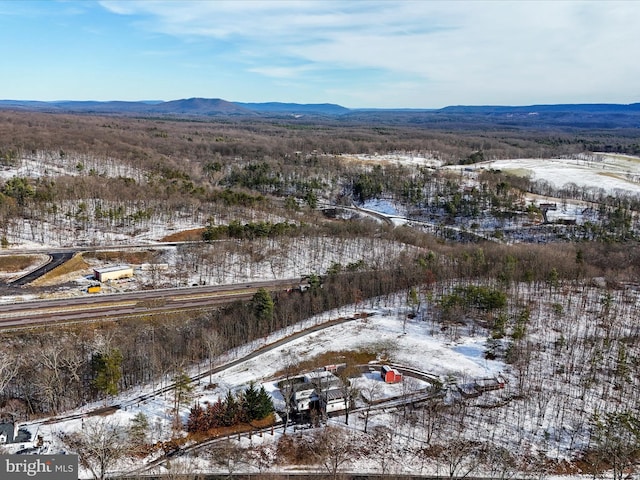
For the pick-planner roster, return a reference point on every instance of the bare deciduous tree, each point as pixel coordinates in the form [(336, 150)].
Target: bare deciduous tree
[(384, 451), (228, 454), (8, 369), (458, 457), (333, 448), (372, 391), (99, 444), (214, 344)]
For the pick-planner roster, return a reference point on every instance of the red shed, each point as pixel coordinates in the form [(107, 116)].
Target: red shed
[(390, 375)]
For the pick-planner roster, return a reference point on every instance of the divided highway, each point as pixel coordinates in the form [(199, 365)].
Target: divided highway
[(114, 306)]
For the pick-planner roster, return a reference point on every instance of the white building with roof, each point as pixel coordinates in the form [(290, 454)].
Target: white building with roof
[(115, 272)]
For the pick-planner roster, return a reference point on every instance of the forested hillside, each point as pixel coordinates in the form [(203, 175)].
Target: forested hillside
[(473, 251)]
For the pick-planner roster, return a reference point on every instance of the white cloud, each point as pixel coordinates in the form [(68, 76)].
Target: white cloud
[(281, 72), (482, 50)]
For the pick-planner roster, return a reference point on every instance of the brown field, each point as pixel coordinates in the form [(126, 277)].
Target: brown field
[(17, 263), (350, 357), (135, 257), (193, 235)]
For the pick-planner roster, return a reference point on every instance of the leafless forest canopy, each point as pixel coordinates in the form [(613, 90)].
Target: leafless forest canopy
[(258, 180)]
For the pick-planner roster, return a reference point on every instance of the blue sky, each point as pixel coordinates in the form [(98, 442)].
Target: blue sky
[(359, 53)]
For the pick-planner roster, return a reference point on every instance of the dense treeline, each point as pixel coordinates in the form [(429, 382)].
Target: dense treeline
[(162, 143), (260, 183), (87, 204), (247, 231), (84, 364), (125, 174)]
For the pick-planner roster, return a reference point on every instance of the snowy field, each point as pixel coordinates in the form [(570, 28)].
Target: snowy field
[(523, 426), (551, 419), (384, 331), (432, 159), (613, 173)]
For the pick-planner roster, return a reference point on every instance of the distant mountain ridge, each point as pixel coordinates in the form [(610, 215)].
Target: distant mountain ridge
[(189, 106), (597, 115)]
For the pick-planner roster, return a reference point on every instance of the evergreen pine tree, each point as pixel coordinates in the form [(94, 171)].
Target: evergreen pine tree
[(250, 403), (107, 368), (182, 394), (231, 411), (263, 306), (138, 429), (265, 404)]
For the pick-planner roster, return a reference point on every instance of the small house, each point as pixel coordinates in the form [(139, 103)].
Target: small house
[(333, 400), (469, 390), (323, 379), (491, 383), (390, 375), (317, 390), (304, 395), (334, 368)]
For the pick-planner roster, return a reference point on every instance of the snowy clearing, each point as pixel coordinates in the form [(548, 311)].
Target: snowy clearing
[(615, 174)]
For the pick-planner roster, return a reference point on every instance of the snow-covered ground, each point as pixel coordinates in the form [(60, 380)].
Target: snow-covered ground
[(42, 164), (386, 331), (414, 342), (607, 171), (523, 418), (596, 172), (612, 173), (432, 159)]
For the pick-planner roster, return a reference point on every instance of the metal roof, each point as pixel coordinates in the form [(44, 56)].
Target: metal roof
[(113, 268)]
